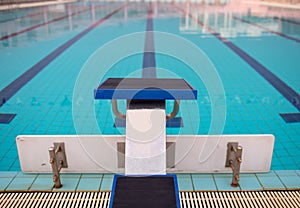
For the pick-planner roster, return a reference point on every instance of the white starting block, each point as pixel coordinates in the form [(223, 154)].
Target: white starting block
[(145, 149)]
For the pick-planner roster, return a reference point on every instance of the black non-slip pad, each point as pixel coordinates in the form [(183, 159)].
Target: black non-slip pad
[(145, 89), (144, 192), (144, 83)]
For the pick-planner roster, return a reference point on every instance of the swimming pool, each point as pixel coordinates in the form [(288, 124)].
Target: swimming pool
[(254, 52)]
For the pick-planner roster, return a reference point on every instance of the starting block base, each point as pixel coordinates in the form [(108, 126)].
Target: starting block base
[(106, 153)]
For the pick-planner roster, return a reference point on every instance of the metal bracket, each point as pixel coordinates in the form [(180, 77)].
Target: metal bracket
[(120, 115), (234, 160), (116, 111), (174, 111), (58, 160)]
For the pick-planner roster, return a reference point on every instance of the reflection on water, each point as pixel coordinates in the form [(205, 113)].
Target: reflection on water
[(290, 26), (239, 20), (224, 16)]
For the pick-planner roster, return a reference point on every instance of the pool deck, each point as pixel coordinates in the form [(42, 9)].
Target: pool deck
[(274, 180)]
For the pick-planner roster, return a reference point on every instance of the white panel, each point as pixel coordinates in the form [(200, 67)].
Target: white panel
[(84, 153), (145, 149), (207, 154), (193, 153)]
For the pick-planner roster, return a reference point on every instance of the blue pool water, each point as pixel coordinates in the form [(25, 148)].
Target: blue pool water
[(247, 51)]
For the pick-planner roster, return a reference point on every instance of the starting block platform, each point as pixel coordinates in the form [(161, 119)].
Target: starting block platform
[(145, 89)]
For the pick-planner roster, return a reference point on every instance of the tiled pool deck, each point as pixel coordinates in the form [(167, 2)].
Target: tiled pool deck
[(274, 180)]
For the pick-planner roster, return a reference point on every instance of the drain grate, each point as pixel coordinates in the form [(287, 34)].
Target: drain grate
[(268, 199), (54, 199), (190, 199)]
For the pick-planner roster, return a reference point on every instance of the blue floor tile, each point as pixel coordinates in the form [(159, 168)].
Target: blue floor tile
[(26, 175), (204, 183), (8, 174), (107, 181), (68, 184), (42, 183), (223, 182), (249, 183), (20, 184), (183, 175), (269, 174), (4, 182), (70, 175), (91, 175), (184, 182), (89, 184), (270, 182), (286, 172), (249, 175), (291, 182), (45, 175), (202, 175)]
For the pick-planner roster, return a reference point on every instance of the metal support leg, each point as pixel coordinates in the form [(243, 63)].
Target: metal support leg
[(234, 160), (175, 110), (116, 111), (58, 160), (120, 115)]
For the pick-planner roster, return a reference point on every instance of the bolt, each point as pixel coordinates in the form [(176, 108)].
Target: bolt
[(236, 177), (231, 164), (55, 178), (233, 149), (58, 149)]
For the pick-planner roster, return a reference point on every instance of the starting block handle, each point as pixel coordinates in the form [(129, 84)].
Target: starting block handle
[(174, 111), (116, 111), (120, 115)]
